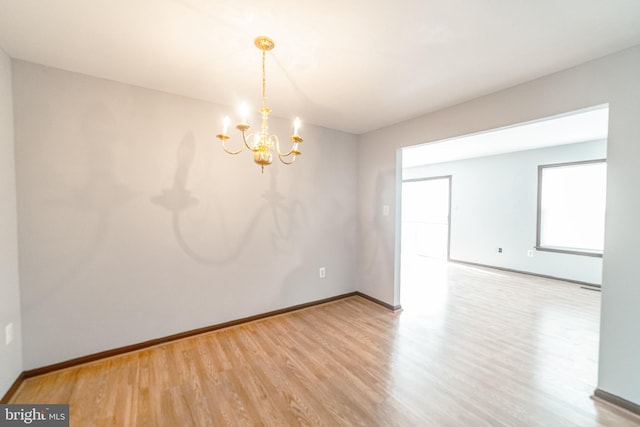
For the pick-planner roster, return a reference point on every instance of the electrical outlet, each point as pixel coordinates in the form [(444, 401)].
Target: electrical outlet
[(385, 210), (8, 334), (322, 272), (499, 250), (530, 253)]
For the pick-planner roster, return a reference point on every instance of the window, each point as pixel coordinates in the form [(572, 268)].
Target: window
[(571, 206)]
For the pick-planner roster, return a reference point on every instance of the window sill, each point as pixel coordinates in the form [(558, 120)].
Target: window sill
[(569, 251)]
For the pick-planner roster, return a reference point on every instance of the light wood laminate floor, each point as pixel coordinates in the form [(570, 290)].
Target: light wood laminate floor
[(474, 347)]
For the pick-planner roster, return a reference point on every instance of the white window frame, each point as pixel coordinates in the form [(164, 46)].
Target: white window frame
[(566, 250)]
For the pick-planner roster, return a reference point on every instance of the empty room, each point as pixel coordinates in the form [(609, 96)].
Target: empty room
[(360, 213)]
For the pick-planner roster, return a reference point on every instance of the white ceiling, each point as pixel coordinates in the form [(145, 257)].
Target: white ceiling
[(352, 65), (581, 126)]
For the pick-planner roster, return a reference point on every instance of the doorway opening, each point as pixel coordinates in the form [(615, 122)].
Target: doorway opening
[(497, 198), (426, 206)]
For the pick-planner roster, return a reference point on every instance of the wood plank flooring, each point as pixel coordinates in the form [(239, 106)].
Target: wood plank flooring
[(473, 347)]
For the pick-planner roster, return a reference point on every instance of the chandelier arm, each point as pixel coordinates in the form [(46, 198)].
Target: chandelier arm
[(245, 138), (293, 150), (224, 147), (287, 162)]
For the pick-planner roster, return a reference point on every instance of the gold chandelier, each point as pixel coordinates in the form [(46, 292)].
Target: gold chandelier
[(261, 143)]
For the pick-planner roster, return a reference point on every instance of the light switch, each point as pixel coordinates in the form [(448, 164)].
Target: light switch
[(8, 334)]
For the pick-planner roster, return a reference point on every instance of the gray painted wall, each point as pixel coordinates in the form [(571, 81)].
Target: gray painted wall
[(614, 79), (134, 224), (494, 204), (10, 355)]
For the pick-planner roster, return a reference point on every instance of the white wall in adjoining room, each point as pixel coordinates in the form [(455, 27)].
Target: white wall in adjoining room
[(10, 354), (614, 79), (494, 205), (134, 224)]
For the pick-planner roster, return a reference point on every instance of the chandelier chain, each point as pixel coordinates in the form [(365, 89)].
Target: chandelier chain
[(264, 81)]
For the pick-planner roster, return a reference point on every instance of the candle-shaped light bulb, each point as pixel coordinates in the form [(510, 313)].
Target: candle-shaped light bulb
[(296, 126), (244, 112), (225, 125)]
